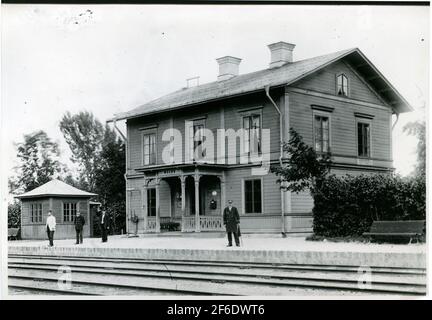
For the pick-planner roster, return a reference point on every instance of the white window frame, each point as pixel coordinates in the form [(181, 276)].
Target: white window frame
[(243, 190), (254, 111), (39, 213), (348, 85), (190, 139), (321, 114), (369, 122), (144, 133), (71, 217)]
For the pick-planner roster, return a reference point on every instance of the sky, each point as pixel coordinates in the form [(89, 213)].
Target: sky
[(109, 58)]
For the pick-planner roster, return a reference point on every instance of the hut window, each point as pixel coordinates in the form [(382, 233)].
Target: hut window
[(36, 212), (69, 212), (342, 85), (252, 196)]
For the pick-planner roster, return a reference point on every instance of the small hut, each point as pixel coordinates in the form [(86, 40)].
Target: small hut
[(64, 201)]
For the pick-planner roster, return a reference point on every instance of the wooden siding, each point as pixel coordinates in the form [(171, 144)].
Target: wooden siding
[(325, 81), (64, 230), (271, 191), (301, 202), (212, 115), (343, 131)]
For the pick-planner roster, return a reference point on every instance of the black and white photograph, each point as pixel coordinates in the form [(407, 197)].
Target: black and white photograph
[(185, 151)]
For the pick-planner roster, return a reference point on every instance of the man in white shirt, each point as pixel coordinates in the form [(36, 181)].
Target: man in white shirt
[(50, 225)]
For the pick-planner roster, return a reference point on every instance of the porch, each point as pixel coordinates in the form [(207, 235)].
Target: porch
[(193, 198)]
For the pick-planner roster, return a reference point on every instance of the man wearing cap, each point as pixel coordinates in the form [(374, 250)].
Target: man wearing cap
[(231, 221)]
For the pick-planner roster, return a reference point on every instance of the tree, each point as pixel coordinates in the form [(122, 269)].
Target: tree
[(418, 129), (14, 215), (110, 184), (84, 134), (101, 157), (38, 159), (304, 168)]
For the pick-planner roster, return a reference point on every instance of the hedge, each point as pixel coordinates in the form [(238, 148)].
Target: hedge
[(347, 205)]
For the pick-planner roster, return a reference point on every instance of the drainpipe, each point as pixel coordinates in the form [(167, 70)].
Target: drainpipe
[(396, 121), (267, 91)]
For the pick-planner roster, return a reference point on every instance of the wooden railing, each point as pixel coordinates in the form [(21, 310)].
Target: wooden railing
[(211, 223), (207, 223), (151, 224), (188, 224)]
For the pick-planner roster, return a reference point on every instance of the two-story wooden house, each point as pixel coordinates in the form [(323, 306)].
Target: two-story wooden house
[(338, 102)]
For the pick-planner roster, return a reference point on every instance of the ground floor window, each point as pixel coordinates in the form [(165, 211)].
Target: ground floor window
[(252, 196), (151, 202), (363, 139), (69, 211), (36, 212)]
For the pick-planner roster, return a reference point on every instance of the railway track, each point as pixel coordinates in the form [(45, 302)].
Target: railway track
[(118, 276)]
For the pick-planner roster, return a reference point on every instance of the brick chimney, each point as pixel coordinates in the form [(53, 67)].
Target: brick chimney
[(281, 53), (228, 67)]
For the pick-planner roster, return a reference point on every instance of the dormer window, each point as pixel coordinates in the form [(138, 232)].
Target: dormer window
[(342, 85)]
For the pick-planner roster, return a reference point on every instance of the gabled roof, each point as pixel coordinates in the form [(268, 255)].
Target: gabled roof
[(56, 188), (256, 81)]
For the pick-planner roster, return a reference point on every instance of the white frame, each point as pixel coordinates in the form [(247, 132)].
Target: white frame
[(243, 211), (144, 132), (252, 111), (62, 210), (348, 94), (322, 114), (30, 212), (190, 140), (369, 122)]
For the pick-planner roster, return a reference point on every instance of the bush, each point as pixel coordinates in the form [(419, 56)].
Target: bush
[(347, 205), (170, 226)]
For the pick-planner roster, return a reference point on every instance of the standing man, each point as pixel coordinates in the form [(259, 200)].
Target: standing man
[(104, 225), (50, 227), (231, 221), (79, 225)]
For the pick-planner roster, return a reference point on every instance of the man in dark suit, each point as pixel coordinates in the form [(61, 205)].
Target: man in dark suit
[(79, 225), (104, 223), (231, 221)]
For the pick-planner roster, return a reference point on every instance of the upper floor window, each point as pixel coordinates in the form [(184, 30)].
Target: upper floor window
[(363, 139), (196, 136), (252, 196), (149, 153), (36, 212), (69, 212), (252, 134), (342, 85), (322, 133)]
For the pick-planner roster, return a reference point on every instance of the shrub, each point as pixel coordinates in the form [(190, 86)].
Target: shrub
[(347, 205), (170, 226)]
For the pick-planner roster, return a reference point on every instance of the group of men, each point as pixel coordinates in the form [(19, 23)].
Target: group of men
[(231, 220), (79, 223)]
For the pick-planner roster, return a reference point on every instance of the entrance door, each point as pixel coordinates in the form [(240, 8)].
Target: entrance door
[(151, 202)]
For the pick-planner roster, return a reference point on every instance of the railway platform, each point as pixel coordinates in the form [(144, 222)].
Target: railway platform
[(264, 249)]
